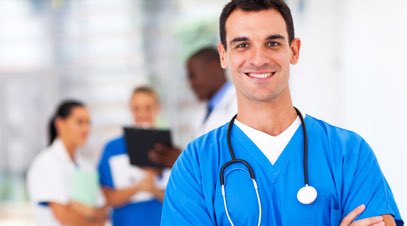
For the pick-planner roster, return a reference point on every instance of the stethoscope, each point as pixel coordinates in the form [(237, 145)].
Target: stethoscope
[(306, 195)]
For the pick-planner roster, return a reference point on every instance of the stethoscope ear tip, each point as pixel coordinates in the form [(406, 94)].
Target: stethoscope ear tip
[(307, 195)]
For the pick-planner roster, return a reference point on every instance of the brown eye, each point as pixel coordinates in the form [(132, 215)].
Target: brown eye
[(272, 44), (242, 45)]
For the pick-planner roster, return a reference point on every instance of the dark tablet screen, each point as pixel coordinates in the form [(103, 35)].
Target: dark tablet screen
[(139, 141)]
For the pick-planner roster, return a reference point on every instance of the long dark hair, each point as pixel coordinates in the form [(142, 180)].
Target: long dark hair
[(64, 110)]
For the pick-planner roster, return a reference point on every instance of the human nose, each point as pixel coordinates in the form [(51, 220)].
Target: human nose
[(258, 57)]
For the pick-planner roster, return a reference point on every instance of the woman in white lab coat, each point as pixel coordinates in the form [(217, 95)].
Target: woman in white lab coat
[(52, 174)]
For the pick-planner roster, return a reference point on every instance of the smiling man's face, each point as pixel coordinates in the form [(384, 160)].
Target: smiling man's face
[(258, 54)]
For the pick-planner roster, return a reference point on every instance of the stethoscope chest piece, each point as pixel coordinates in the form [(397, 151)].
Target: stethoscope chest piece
[(307, 195)]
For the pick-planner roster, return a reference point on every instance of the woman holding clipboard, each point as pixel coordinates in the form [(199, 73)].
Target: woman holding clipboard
[(62, 185)]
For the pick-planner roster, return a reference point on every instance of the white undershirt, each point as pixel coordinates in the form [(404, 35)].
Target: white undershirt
[(271, 146)]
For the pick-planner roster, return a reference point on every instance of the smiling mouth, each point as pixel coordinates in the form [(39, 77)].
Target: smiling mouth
[(260, 75)]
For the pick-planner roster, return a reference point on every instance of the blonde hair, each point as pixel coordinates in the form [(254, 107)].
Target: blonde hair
[(147, 90)]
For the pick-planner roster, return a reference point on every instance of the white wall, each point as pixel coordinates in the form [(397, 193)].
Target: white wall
[(352, 73), (375, 73), (316, 83)]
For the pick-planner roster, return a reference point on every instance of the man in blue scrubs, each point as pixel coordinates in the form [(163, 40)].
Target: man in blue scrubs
[(257, 47)]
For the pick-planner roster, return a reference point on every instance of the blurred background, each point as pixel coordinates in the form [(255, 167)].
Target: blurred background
[(351, 73)]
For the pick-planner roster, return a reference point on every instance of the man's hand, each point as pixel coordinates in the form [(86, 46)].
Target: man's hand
[(371, 221), (164, 155)]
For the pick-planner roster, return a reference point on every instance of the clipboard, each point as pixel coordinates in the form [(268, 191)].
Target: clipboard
[(84, 187), (140, 140)]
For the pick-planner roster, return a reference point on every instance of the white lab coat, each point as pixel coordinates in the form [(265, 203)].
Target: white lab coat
[(221, 114), (50, 179)]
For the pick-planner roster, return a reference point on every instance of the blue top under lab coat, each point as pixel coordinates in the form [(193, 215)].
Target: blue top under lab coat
[(342, 167)]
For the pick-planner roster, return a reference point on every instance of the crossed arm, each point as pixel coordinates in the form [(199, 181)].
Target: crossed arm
[(384, 220)]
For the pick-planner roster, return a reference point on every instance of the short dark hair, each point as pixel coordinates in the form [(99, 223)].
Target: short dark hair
[(208, 54), (256, 5)]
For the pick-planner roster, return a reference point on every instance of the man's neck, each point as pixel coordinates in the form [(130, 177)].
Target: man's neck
[(270, 117)]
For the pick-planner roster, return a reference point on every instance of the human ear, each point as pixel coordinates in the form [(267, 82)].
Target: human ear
[(295, 50), (222, 56), (59, 124)]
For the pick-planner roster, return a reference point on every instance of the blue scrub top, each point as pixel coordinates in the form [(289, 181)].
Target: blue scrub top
[(139, 213), (342, 167)]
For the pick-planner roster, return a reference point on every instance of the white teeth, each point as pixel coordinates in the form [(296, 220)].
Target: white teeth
[(263, 75)]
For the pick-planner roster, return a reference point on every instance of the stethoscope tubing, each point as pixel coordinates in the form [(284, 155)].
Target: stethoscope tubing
[(305, 158), (251, 172), (234, 160)]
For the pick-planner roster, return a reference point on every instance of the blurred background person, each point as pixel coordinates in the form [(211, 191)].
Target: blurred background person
[(135, 193), (53, 178), (210, 84)]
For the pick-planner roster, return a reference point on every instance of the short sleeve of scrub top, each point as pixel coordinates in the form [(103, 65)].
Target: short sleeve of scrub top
[(187, 181), (105, 174), (363, 180), (46, 182)]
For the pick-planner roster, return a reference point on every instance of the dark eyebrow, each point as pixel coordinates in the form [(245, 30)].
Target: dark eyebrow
[(238, 39), (245, 39), (273, 37)]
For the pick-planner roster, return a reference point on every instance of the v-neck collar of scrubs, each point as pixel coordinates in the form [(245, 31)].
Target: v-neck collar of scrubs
[(271, 146), (247, 150)]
